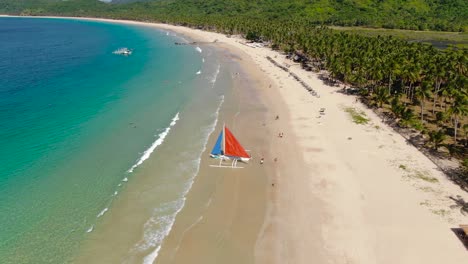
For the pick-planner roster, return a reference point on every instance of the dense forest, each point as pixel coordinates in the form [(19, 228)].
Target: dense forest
[(417, 85), (446, 15)]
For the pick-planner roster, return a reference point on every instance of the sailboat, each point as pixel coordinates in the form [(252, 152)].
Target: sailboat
[(228, 148)]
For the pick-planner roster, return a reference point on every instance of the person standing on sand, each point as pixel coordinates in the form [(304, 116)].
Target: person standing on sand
[(261, 161)]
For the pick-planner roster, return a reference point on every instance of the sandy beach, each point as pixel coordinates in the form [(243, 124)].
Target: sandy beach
[(343, 192), (330, 190)]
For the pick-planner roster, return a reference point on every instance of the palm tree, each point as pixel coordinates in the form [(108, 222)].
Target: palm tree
[(422, 93), (406, 116), (458, 110), (439, 74), (396, 107), (465, 131), (436, 138), (381, 96)]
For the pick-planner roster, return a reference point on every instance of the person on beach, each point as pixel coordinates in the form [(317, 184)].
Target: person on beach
[(261, 161), (277, 117)]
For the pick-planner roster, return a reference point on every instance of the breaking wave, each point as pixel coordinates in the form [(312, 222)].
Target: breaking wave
[(215, 76), (155, 144), (90, 229), (160, 223), (158, 227), (103, 212)]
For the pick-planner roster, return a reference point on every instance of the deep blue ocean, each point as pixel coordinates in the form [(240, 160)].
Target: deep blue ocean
[(75, 118)]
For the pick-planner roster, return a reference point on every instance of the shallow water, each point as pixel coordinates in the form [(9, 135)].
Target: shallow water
[(79, 125)]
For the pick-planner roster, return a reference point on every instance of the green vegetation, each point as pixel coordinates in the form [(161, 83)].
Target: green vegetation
[(441, 212), (420, 86), (464, 169), (436, 138), (358, 117), (425, 203), (424, 177), (436, 38), (426, 189), (445, 15)]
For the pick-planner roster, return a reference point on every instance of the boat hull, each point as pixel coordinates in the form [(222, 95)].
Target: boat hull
[(245, 160)]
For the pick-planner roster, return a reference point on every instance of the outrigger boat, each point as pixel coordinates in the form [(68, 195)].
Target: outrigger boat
[(123, 51), (228, 148)]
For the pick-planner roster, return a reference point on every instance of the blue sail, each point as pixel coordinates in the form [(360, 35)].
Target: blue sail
[(217, 147)]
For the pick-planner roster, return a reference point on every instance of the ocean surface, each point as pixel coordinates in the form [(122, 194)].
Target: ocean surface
[(97, 146)]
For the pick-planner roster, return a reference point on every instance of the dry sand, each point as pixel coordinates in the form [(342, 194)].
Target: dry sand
[(343, 192)]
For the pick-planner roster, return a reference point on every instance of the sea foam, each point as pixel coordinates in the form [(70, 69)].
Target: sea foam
[(215, 76), (90, 229), (155, 144), (103, 212), (159, 225), (151, 257)]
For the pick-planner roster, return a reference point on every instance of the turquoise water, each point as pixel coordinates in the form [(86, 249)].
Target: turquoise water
[(74, 118)]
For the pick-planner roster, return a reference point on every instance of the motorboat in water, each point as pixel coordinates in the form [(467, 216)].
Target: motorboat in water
[(123, 51)]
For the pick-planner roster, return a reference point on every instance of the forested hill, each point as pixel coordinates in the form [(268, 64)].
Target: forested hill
[(445, 15)]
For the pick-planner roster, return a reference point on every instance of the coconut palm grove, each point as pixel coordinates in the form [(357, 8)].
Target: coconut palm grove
[(413, 85)]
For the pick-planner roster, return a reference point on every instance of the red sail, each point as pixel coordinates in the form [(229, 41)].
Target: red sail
[(232, 147)]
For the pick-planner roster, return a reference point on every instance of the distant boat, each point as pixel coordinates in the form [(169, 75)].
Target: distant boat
[(228, 148), (123, 51)]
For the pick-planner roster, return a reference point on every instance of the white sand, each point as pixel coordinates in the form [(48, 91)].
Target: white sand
[(374, 211), (349, 193)]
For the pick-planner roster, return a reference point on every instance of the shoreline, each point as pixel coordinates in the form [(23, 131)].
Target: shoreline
[(343, 193)]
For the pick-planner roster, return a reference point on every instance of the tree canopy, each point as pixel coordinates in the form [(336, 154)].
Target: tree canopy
[(445, 15)]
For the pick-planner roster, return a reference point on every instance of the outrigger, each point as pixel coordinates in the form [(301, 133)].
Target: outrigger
[(228, 148)]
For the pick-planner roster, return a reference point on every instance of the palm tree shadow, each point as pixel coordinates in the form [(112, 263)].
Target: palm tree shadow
[(325, 78), (460, 234), (460, 203)]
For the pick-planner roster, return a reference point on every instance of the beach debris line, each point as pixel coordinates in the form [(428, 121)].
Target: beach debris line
[(227, 147), (304, 84)]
